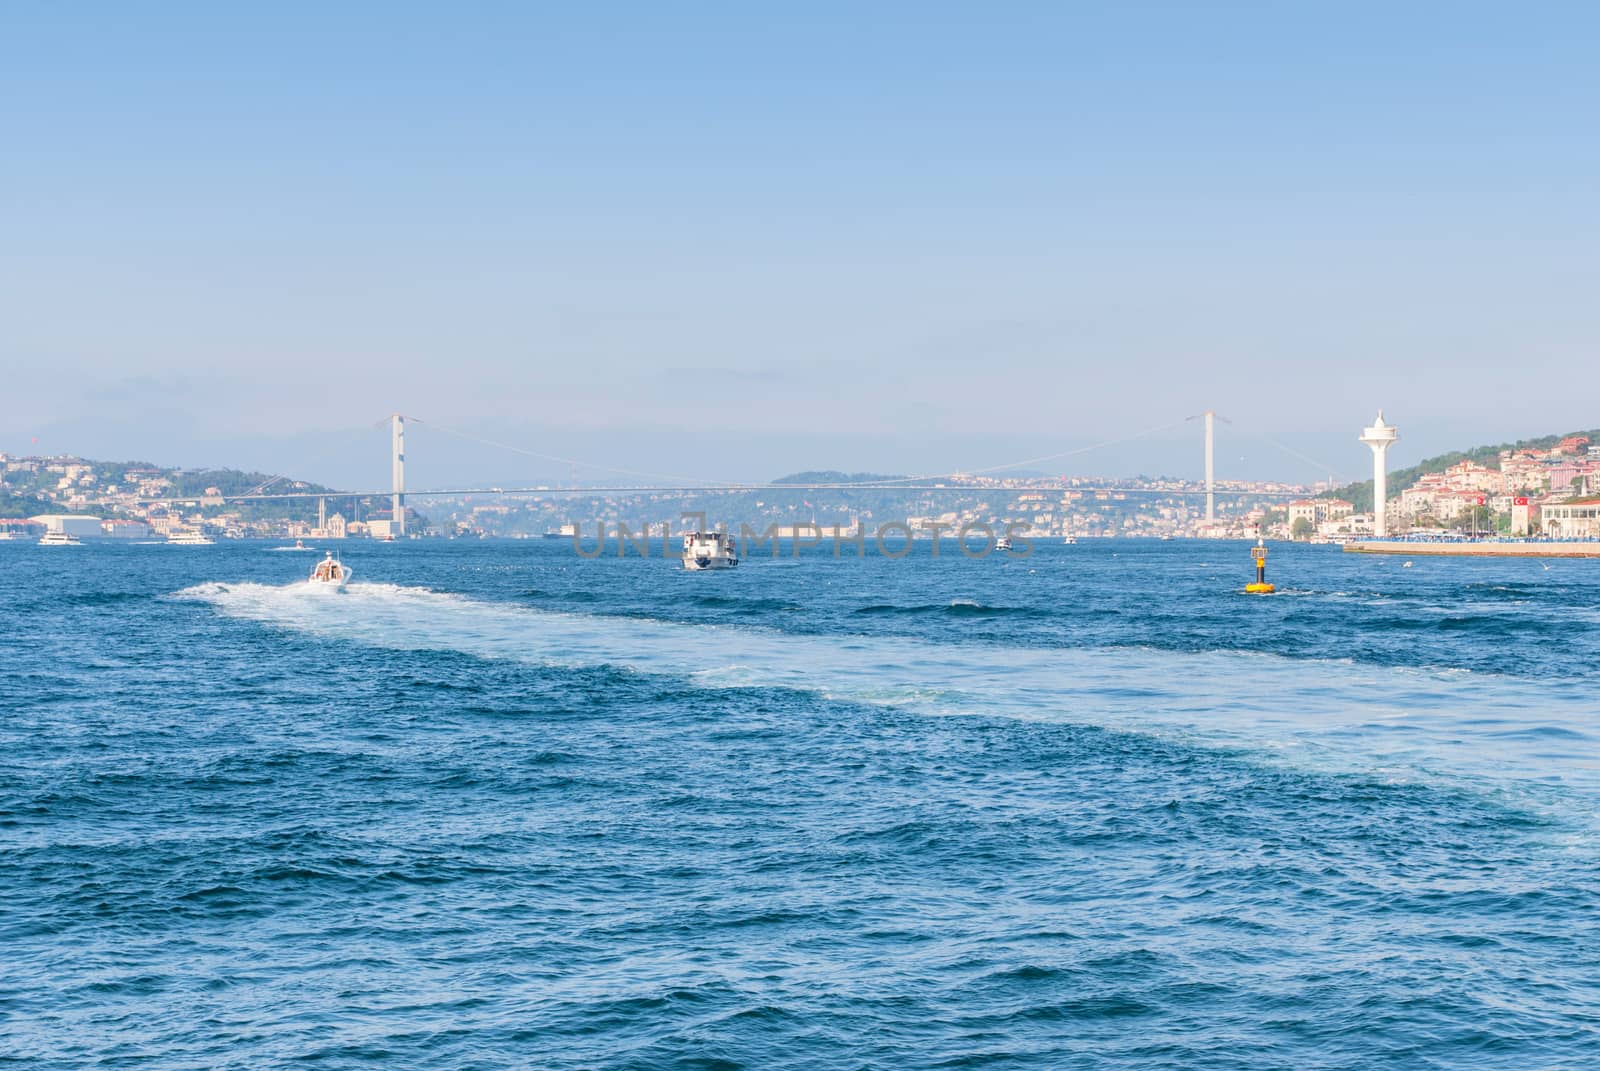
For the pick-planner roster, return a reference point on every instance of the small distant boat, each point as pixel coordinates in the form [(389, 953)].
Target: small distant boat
[(709, 550), (1002, 543), (1069, 540), (330, 574), (298, 545), (189, 537), (58, 539)]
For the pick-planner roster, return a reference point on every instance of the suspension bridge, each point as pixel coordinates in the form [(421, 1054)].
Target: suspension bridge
[(964, 482)]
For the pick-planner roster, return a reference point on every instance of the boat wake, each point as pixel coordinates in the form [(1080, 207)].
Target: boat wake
[(1333, 715)]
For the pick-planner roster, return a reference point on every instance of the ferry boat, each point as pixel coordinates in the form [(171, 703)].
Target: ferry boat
[(189, 538), (709, 550), (330, 574), (58, 539)]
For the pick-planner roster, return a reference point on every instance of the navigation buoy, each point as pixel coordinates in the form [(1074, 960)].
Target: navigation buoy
[(1259, 553)]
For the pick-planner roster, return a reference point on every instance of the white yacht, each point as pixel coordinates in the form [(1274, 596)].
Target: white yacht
[(189, 537), (58, 539), (330, 574), (1002, 543), (709, 550), (1069, 540)]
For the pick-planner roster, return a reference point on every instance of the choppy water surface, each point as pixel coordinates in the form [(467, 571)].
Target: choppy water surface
[(496, 806)]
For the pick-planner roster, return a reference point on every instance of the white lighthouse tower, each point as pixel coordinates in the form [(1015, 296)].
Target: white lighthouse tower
[(1380, 437)]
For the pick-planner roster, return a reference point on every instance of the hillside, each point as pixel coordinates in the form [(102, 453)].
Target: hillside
[(1360, 494), (33, 485), (833, 476)]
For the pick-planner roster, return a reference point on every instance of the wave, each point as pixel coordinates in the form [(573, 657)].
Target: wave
[(954, 608), (1326, 713), (730, 602)]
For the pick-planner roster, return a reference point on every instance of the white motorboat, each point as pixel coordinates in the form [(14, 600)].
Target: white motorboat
[(709, 550), (330, 574), (58, 539), (1002, 543), (1070, 540), (189, 537), (298, 545)]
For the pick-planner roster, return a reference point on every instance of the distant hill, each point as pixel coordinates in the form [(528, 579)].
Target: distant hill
[(832, 476), (1360, 494), (28, 486)]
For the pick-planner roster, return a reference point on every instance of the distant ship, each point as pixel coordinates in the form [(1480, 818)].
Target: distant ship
[(1002, 543), (566, 531), (1070, 540), (58, 539), (709, 550), (189, 538)]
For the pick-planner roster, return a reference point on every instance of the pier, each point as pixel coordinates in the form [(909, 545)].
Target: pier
[(1478, 548)]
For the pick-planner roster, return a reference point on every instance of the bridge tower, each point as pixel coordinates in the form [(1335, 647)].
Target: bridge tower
[(1210, 417), (397, 435)]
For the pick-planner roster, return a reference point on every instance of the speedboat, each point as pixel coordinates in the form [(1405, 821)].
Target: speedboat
[(189, 537), (58, 539), (1070, 540), (330, 574), (709, 550)]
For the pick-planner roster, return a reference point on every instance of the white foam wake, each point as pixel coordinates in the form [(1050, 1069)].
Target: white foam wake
[(1323, 713)]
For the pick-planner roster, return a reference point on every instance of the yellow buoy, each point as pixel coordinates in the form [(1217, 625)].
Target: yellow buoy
[(1260, 587)]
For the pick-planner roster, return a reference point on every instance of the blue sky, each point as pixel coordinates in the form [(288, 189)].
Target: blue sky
[(736, 242)]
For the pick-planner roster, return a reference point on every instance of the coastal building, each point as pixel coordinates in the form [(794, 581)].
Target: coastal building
[(18, 528), (1522, 514), (1576, 518), (71, 524), (1317, 511), (124, 528)]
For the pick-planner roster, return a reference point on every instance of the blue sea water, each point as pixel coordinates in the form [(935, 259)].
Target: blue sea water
[(496, 806)]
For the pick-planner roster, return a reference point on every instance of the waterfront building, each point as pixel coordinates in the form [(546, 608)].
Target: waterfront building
[(1522, 514), (72, 524), (124, 528), (1577, 518)]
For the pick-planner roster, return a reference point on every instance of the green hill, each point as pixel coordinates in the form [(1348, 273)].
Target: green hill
[(1360, 494)]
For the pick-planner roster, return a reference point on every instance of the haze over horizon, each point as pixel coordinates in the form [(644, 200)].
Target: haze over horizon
[(743, 243)]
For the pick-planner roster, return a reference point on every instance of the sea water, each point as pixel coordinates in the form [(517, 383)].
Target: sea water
[(499, 806)]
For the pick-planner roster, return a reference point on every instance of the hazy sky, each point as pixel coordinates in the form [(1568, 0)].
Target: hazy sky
[(734, 240)]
